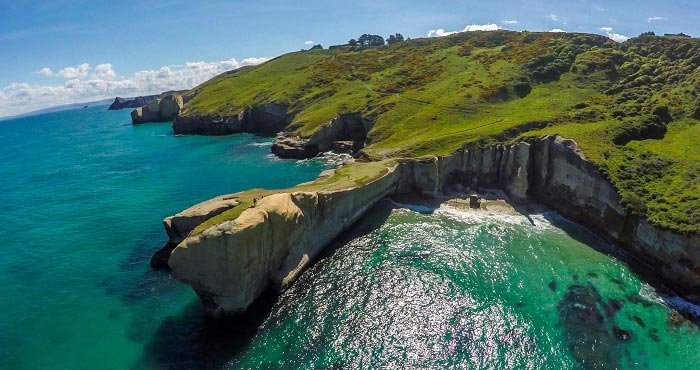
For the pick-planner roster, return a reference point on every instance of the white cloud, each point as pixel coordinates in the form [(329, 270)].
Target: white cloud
[(556, 30), (46, 71), (79, 71), (81, 86), (310, 42), (510, 22), (440, 32), (655, 19), (105, 72), (553, 17), (614, 36)]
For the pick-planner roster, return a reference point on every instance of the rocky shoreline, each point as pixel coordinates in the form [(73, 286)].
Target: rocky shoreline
[(270, 243), (346, 133)]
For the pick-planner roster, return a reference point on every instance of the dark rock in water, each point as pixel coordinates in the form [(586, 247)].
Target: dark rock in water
[(622, 334), (575, 277), (520, 305), (615, 305), (474, 201), (618, 282), (653, 335), (592, 274), (639, 321), (553, 285), (139, 101), (633, 298), (592, 340), (675, 319), (290, 147)]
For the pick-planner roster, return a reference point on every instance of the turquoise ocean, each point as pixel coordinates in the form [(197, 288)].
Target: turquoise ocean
[(82, 197)]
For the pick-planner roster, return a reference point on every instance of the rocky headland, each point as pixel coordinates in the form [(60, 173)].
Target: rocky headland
[(230, 249), (159, 110), (139, 101)]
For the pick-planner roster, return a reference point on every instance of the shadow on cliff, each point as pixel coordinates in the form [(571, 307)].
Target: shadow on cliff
[(189, 340)]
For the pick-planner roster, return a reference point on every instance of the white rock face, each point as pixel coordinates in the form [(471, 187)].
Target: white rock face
[(229, 265), (181, 224)]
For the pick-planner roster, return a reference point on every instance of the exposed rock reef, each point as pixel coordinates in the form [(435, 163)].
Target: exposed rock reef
[(159, 110), (139, 101), (270, 243)]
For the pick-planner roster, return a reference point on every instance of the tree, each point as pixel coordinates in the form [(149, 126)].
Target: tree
[(395, 39), (371, 40), (649, 33), (352, 42), (317, 46)]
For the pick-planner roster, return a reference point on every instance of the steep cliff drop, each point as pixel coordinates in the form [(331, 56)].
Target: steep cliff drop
[(269, 244), (231, 262), (139, 101), (159, 110)]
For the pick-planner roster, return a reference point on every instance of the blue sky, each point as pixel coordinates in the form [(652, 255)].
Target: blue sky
[(72, 38)]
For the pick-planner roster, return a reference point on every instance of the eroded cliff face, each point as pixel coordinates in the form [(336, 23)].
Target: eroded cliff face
[(179, 226), (139, 101), (229, 265), (345, 133), (159, 110), (266, 120)]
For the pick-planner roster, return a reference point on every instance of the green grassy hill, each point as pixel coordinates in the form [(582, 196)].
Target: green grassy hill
[(633, 107)]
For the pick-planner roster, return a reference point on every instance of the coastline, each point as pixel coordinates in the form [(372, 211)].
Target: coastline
[(551, 171)]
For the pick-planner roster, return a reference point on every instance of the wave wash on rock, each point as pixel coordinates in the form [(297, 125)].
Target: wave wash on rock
[(234, 259)]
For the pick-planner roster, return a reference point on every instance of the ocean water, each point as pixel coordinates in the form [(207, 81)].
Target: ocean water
[(82, 199)]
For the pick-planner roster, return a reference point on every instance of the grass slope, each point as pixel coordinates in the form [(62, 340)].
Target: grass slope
[(633, 107)]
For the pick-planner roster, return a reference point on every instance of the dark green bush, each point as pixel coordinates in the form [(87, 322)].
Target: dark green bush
[(696, 113), (662, 113), (522, 89), (645, 127)]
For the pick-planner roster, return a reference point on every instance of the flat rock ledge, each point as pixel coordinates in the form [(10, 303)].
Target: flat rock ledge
[(179, 226), (269, 244)]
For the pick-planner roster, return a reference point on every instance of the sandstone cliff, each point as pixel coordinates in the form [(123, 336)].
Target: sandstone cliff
[(159, 110), (267, 120), (345, 133), (231, 263), (139, 101)]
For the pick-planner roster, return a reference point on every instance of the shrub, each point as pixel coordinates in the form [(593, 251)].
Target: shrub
[(522, 89), (646, 127), (696, 113), (661, 111)]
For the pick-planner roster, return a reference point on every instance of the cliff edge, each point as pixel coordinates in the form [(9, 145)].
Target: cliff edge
[(231, 260)]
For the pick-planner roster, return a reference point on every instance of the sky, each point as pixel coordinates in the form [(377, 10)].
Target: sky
[(60, 51)]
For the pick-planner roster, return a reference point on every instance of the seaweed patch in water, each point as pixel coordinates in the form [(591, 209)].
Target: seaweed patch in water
[(592, 336)]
